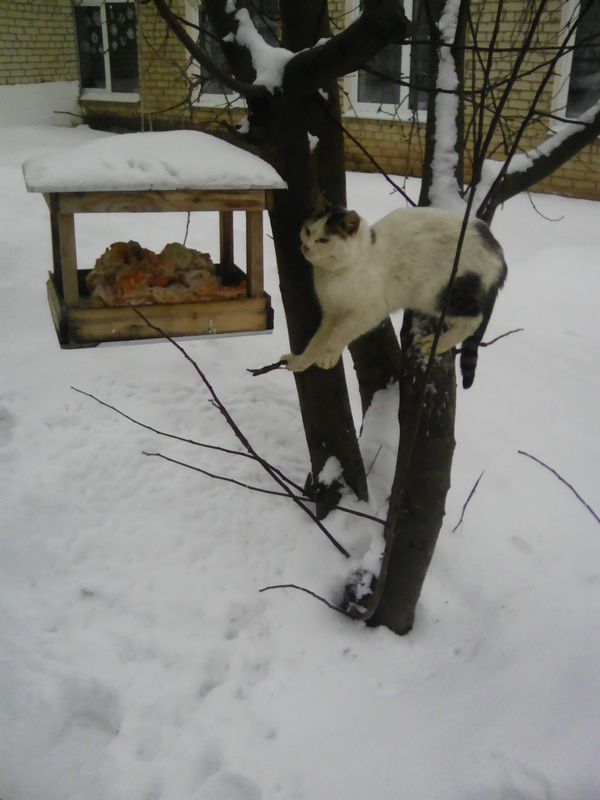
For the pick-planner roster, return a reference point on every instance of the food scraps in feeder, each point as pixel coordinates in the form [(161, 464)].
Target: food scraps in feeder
[(127, 273)]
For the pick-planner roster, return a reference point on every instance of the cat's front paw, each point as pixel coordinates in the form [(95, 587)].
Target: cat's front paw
[(294, 363), (327, 360)]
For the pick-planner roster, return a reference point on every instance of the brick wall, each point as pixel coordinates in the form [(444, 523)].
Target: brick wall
[(37, 42)]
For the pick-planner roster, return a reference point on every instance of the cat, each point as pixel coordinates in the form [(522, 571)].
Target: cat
[(404, 261)]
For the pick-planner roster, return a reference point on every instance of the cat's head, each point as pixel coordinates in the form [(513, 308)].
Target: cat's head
[(330, 238)]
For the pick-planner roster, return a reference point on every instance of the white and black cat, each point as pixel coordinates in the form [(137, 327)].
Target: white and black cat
[(361, 274)]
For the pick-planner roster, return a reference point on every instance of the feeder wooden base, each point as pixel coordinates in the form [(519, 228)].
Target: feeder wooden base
[(81, 326)]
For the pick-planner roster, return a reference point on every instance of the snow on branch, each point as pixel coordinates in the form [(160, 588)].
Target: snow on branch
[(201, 56), (444, 191), (269, 62), (503, 180)]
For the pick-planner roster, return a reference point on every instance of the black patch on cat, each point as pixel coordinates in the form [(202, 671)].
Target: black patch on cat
[(335, 216), (373, 236), (326, 211), (342, 223), (487, 237), (467, 298)]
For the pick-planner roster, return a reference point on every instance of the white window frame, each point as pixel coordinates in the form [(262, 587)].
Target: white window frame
[(106, 95), (208, 99), (562, 78), (381, 111)]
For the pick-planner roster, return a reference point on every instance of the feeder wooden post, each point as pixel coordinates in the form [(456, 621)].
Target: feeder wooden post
[(226, 244), (64, 253), (254, 253)]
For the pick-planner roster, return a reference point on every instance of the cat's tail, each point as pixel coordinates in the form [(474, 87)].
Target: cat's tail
[(469, 350), (469, 353)]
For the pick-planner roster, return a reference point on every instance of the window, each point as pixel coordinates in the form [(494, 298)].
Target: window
[(107, 48), (383, 88), (584, 83), (578, 73), (211, 92)]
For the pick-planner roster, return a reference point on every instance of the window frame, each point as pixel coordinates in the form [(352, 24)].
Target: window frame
[(216, 100), (107, 94), (564, 67), (381, 111), (207, 99)]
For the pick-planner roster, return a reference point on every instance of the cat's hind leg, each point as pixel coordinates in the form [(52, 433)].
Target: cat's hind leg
[(464, 312), (458, 329)]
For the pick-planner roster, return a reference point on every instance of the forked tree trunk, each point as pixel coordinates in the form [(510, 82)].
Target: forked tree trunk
[(421, 483), (427, 415)]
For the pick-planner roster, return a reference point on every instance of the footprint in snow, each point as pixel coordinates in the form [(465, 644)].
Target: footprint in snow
[(8, 422), (90, 705), (230, 786)]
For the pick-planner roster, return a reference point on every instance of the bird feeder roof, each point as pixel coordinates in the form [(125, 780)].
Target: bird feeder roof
[(159, 161)]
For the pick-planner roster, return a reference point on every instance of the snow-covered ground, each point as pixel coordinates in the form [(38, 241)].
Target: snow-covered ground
[(138, 658)]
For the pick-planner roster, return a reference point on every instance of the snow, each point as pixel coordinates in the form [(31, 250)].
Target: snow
[(445, 191), (139, 658), (52, 103), (269, 62), (138, 161)]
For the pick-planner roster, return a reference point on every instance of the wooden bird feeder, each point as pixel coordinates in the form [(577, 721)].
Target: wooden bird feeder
[(196, 172)]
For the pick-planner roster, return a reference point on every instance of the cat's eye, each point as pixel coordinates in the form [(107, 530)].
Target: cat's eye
[(322, 241), (307, 231)]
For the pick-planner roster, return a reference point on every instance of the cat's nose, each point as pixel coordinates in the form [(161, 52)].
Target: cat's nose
[(305, 249)]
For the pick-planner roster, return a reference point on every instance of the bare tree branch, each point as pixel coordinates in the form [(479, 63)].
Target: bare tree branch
[(300, 497), (468, 500), (562, 480), (544, 160), (307, 591), (248, 90), (238, 432), (381, 22)]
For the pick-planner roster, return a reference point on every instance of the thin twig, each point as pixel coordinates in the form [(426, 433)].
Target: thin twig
[(562, 480), (471, 493), (239, 434), (217, 477), (497, 339), (221, 449), (185, 440), (307, 591), (502, 335), (268, 368), (302, 497)]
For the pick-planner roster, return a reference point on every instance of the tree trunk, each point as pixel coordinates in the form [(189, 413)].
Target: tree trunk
[(377, 361), (323, 394), (421, 483)]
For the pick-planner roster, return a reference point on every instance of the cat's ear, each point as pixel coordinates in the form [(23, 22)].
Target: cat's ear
[(343, 223), (350, 223), (322, 207)]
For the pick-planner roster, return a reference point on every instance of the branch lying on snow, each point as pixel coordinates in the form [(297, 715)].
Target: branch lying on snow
[(240, 435), (219, 448), (566, 483), (261, 489), (307, 591), (468, 500)]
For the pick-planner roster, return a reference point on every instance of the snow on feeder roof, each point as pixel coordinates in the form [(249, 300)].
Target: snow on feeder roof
[(159, 161), (178, 171)]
